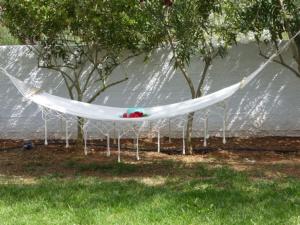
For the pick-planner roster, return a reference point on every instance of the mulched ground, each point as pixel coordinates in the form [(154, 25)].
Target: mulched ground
[(267, 157)]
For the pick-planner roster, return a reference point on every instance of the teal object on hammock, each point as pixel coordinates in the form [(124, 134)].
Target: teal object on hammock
[(135, 109)]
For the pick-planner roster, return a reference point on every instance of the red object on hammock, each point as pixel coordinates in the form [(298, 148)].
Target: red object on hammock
[(133, 115)]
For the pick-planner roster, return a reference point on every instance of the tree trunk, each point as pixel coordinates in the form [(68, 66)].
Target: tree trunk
[(197, 94), (80, 123), (80, 120), (297, 52), (189, 131), (296, 45)]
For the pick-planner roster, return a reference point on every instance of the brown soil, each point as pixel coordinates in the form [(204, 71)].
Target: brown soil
[(267, 157)]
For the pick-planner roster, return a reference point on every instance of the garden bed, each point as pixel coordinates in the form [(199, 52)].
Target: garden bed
[(253, 154)]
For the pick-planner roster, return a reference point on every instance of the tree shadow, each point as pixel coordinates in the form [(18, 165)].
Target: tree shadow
[(226, 197), (267, 106)]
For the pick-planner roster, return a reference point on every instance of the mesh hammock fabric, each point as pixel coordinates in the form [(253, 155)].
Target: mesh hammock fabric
[(106, 113)]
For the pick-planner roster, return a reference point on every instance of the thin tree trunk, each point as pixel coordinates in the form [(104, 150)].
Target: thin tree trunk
[(189, 127), (79, 140), (189, 131), (297, 53), (80, 121), (296, 43), (197, 94)]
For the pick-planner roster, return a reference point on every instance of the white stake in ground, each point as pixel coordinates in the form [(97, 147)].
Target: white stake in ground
[(108, 146), (67, 135), (183, 140), (158, 141)]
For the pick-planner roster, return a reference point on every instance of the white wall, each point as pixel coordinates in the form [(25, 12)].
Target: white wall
[(268, 106)]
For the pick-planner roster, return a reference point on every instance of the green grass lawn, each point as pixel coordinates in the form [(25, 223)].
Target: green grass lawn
[(206, 196)]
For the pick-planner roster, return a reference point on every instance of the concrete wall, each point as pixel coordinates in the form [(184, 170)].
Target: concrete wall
[(270, 105)]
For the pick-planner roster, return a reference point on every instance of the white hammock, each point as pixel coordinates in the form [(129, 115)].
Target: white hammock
[(105, 113), (100, 112)]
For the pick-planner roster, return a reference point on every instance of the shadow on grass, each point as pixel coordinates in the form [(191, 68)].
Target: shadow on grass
[(112, 168), (123, 168), (156, 168), (223, 197), (165, 167)]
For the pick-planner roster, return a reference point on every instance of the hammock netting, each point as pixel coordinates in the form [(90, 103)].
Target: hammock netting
[(114, 114)]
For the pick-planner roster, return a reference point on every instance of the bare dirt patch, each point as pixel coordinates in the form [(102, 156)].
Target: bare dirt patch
[(269, 157)]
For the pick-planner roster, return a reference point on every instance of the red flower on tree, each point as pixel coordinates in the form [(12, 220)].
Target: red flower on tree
[(168, 3)]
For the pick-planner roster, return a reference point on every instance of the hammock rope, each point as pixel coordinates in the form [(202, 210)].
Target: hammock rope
[(105, 113)]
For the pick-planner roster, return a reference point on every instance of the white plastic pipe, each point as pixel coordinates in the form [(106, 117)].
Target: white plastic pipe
[(114, 133), (183, 141), (119, 149), (205, 132), (170, 131), (150, 130), (101, 139), (137, 148), (158, 141), (224, 123), (85, 141), (46, 132), (67, 135), (108, 146), (224, 128)]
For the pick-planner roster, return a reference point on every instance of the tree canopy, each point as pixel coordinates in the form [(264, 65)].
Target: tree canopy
[(270, 22), (6, 38), (83, 40), (69, 35)]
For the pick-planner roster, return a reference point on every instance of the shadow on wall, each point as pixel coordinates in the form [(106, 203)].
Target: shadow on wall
[(18, 117), (268, 106)]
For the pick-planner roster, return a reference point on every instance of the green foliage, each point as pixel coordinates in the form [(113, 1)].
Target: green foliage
[(109, 24), (191, 27), (279, 19), (6, 38), (258, 15), (68, 35)]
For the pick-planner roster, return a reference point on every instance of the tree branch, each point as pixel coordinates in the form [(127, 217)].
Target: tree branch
[(52, 67), (89, 76), (181, 66), (130, 57), (104, 88), (203, 76), (69, 87), (281, 62)]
